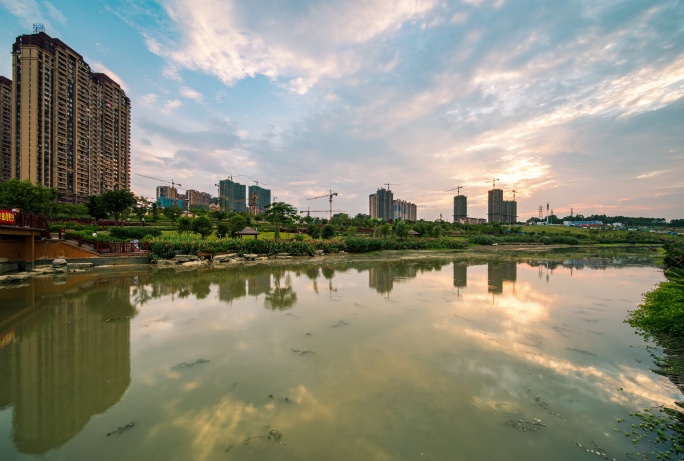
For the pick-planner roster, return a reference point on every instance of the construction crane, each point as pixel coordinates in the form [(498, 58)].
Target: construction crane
[(514, 191), (494, 180), (308, 211), (390, 184), (457, 189), (257, 183), (172, 182), (330, 196)]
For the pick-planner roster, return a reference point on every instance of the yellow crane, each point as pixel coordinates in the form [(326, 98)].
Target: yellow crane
[(330, 197)]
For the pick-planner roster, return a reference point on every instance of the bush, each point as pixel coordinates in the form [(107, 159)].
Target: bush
[(328, 231), (131, 233), (483, 239)]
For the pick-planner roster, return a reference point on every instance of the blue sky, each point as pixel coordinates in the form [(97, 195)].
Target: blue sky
[(576, 103)]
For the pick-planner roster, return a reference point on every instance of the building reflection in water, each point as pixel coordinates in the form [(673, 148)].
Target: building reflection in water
[(383, 276), (69, 357), (460, 275), (498, 273)]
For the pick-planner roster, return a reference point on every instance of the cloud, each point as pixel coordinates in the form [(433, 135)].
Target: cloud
[(231, 41), (189, 93), (651, 174), (54, 13), (171, 105)]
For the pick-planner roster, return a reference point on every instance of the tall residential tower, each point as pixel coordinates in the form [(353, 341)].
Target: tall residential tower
[(71, 126)]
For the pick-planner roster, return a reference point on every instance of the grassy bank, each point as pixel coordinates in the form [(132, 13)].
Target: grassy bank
[(661, 318)]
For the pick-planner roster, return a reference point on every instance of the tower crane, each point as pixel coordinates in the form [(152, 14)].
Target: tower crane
[(514, 191), (308, 211), (390, 184), (330, 197), (494, 180), (457, 189), (172, 182)]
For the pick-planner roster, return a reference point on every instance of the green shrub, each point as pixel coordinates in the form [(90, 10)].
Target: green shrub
[(131, 233), (483, 239)]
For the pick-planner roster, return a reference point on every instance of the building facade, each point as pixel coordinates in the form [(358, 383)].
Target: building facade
[(5, 129), (71, 126), (232, 196), (197, 198), (259, 198), (406, 211), (380, 204), (460, 207), (500, 210)]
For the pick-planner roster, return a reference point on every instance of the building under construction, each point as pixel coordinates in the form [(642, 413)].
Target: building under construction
[(383, 206), (70, 126), (500, 210)]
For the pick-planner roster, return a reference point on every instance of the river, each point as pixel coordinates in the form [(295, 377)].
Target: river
[(412, 359)]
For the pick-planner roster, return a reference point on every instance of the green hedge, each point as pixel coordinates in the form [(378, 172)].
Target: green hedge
[(87, 236), (130, 233), (68, 225), (168, 247)]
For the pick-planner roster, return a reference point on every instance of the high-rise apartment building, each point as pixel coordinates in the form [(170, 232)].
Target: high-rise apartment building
[(71, 126), (232, 196), (380, 204), (401, 209), (500, 210), (259, 198), (5, 129), (460, 208), (197, 198)]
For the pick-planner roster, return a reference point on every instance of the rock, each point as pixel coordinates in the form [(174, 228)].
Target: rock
[(250, 256), (261, 258), (185, 258), (284, 257), (19, 277), (79, 266), (224, 258), (166, 263), (283, 254), (59, 262), (319, 252), (192, 264)]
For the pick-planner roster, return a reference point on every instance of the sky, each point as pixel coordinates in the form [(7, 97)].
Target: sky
[(574, 103)]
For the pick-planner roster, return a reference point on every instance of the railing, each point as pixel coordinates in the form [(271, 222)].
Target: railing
[(121, 247)]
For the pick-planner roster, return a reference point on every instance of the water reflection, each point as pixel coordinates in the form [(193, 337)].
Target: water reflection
[(68, 358), (498, 273)]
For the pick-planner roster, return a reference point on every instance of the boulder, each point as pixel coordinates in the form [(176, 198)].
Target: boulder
[(166, 263), (185, 258), (192, 264), (283, 254), (59, 262), (250, 256), (284, 257), (224, 258), (319, 252), (79, 266)]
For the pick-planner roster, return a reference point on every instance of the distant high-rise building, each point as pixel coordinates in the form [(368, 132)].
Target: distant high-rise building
[(500, 210), (232, 196), (401, 209), (258, 198), (460, 208), (380, 204), (5, 129), (197, 198), (71, 126), (495, 206)]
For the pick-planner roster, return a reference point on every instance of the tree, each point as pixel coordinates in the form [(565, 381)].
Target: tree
[(202, 225), (140, 208), (172, 213), (280, 213), (96, 207), (219, 215), (26, 196), (118, 201), (236, 223), (222, 229), (328, 231), (421, 228), (155, 211), (383, 231), (400, 230), (199, 210), (313, 231), (184, 225)]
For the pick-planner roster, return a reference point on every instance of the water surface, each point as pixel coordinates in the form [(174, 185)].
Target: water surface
[(416, 359)]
